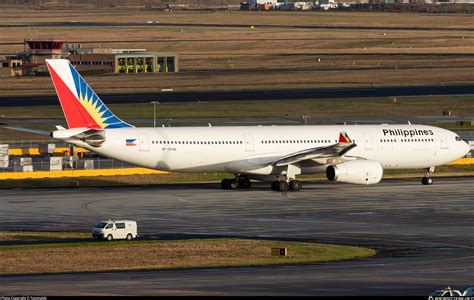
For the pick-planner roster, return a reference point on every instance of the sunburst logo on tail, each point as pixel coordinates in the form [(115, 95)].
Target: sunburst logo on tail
[(94, 106), (81, 105), (344, 138)]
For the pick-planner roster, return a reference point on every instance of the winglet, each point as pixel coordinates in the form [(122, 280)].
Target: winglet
[(344, 138)]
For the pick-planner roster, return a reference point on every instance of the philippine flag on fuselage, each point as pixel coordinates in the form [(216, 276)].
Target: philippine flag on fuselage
[(130, 142)]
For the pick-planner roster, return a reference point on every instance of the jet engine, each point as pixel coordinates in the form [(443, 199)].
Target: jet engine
[(356, 172)]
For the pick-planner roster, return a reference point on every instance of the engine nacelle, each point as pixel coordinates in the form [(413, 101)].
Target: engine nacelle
[(356, 172)]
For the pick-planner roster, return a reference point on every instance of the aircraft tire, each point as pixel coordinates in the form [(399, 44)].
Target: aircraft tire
[(283, 186), (295, 185), (427, 181), (225, 184), (275, 185), (233, 184), (245, 183)]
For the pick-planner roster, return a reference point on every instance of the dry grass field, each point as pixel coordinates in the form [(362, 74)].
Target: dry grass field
[(221, 58), (404, 106), (38, 236), (153, 255), (22, 15)]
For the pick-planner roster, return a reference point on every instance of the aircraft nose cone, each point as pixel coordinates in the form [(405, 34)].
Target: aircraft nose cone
[(466, 148)]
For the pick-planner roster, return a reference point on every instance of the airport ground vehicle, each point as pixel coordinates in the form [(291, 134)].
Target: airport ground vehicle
[(115, 230)]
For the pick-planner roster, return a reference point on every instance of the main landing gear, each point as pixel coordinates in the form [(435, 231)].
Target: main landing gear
[(245, 183), (236, 183), (283, 186), (427, 180)]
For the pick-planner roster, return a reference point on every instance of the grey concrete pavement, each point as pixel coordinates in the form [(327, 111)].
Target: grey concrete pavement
[(424, 234)]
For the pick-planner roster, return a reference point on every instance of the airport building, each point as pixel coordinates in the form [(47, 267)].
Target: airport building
[(146, 62), (31, 62)]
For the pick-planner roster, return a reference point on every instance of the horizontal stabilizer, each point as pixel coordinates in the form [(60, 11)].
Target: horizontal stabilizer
[(91, 136)]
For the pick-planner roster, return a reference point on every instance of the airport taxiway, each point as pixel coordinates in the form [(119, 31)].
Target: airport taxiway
[(424, 234), (247, 95)]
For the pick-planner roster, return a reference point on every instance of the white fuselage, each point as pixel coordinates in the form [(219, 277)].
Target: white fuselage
[(250, 149)]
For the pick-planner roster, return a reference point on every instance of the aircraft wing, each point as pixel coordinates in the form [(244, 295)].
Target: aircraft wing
[(332, 151), (318, 155), (335, 150)]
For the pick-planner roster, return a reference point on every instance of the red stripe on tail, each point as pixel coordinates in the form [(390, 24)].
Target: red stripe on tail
[(343, 138), (76, 115)]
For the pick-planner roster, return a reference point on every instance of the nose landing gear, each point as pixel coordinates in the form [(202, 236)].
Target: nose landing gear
[(236, 183), (427, 180)]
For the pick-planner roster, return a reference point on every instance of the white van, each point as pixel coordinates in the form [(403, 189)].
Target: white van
[(115, 230)]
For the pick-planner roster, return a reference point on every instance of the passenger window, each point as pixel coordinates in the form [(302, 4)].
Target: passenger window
[(120, 225)]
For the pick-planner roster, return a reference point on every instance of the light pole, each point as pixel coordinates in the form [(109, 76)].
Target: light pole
[(305, 119), (154, 111)]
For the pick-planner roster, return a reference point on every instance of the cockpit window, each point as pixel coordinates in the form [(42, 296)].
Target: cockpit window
[(458, 139)]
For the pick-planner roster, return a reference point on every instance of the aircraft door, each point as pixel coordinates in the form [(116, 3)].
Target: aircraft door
[(143, 140), (368, 141), (248, 141), (443, 141)]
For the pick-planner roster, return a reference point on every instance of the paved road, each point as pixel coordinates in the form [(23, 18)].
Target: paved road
[(425, 236), (285, 94)]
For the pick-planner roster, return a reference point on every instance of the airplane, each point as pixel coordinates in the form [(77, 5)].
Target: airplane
[(356, 154)]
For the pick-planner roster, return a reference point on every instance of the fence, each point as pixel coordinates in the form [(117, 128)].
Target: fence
[(43, 164), (33, 143)]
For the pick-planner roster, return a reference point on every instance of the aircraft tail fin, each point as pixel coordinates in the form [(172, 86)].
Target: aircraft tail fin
[(81, 105)]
